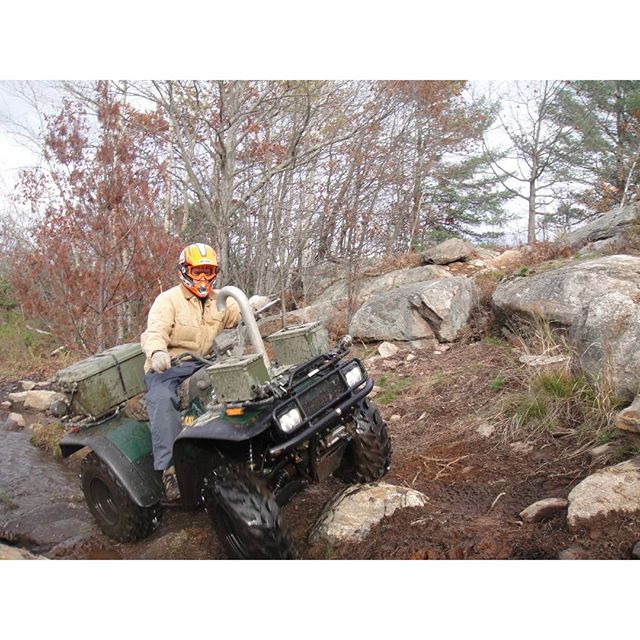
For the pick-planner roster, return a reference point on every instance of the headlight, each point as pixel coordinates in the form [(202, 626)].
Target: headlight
[(290, 419), (354, 375)]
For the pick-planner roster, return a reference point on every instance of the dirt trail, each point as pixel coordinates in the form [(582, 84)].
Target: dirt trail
[(476, 486)]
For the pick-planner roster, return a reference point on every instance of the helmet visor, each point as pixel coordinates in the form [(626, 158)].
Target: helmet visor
[(203, 271)]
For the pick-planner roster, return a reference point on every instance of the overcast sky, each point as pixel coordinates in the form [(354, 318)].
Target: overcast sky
[(493, 39)]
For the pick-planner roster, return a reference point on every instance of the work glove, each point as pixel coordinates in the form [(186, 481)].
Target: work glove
[(160, 361)]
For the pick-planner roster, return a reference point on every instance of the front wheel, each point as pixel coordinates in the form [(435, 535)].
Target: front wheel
[(245, 516), (368, 455), (116, 513)]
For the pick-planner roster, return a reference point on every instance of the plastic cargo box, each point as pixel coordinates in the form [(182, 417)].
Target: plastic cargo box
[(100, 383), (233, 380), (294, 345)]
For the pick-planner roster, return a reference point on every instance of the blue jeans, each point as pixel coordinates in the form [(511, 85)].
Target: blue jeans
[(163, 406)]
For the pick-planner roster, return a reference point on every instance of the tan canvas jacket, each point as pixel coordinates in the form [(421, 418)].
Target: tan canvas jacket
[(178, 323)]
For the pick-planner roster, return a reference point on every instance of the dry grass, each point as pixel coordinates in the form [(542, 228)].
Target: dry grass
[(47, 437), (406, 260), (555, 399)]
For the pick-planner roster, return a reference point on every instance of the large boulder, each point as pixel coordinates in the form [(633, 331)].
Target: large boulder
[(370, 285), (446, 305), (614, 489), (610, 224), (352, 513), (392, 316), (598, 302), (448, 251), (417, 312)]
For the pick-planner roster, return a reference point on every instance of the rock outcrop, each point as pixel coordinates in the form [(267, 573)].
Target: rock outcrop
[(446, 305), (418, 313), (392, 316), (609, 225), (376, 285), (597, 302)]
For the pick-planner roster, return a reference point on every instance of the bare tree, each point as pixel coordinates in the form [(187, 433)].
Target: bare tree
[(535, 157)]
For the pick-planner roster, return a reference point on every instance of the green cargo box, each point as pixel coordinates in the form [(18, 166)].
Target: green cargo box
[(294, 345), (234, 379), (100, 383)]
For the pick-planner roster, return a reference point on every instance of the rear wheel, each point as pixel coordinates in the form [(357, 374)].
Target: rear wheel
[(245, 516), (368, 455), (116, 513)]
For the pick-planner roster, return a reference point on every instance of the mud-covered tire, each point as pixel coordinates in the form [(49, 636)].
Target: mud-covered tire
[(245, 516), (368, 455), (116, 513)]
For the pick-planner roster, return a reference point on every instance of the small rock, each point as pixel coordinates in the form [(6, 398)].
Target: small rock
[(18, 419), (410, 357), (543, 509), (41, 400), (18, 396), (601, 453), (521, 447), (635, 553), (27, 385), (11, 425), (5, 404), (45, 384), (375, 391), (486, 430), (394, 418), (387, 349), (573, 553), (372, 360), (541, 361), (442, 348), (16, 553), (629, 419)]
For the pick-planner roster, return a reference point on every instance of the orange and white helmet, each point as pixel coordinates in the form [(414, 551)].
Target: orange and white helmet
[(198, 267)]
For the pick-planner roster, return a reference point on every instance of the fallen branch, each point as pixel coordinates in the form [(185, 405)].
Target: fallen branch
[(446, 466), (493, 504), (42, 331)]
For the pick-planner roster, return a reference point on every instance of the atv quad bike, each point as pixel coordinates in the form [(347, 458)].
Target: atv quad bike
[(254, 434)]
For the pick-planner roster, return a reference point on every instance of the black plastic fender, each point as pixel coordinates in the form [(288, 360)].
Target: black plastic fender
[(197, 448), (125, 446)]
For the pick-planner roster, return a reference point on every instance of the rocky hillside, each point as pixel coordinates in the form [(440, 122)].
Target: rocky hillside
[(509, 382)]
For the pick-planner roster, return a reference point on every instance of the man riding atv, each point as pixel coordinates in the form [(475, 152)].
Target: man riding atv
[(244, 439), (183, 318)]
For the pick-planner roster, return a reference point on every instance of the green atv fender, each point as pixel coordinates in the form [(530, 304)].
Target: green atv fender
[(125, 446)]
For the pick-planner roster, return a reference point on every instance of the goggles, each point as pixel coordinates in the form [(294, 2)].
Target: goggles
[(208, 271)]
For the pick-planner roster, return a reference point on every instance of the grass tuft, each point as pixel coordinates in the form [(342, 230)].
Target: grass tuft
[(393, 388)]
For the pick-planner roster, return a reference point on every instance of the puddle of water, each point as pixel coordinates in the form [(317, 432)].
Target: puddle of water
[(41, 503)]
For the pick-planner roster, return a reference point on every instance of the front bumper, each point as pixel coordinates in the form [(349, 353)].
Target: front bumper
[(333, 415)]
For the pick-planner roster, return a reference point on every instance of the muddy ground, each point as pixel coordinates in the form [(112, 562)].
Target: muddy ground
[(476, 486)]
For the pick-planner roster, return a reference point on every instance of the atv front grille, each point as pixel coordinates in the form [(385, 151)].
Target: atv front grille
[(322, 394)]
